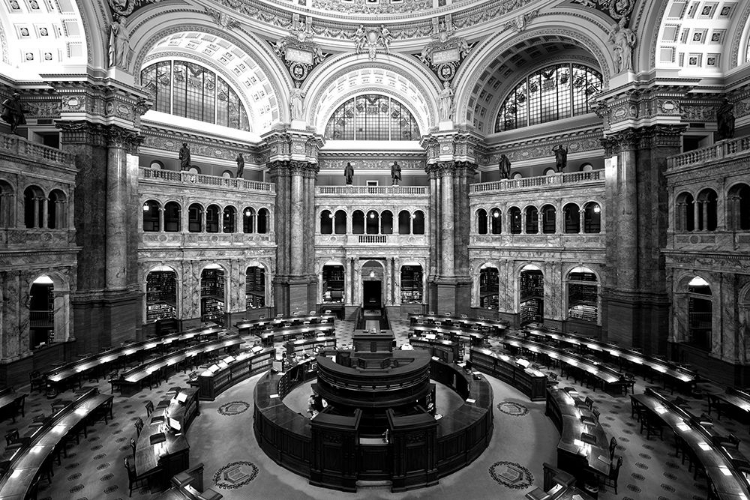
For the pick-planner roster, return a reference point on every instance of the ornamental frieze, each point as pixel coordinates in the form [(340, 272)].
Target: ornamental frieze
[(544, 150), (370, 164), (364, 7), (208, 148)]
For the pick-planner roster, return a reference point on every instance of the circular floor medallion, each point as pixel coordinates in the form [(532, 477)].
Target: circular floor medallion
[(511, 475), (235, 475), (512, 408), (233, 408)]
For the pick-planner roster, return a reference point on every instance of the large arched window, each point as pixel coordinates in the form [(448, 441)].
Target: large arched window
[(707, 210), (372, 117), (496, 222), (417, 222), (326, 222), (151, 215), (552, 93), (482, 221), (187, 89), (172, 217), (738, 203), (700, 313), (7, 204), (340, 222)]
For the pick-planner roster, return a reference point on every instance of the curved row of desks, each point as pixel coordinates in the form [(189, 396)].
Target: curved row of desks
[(488, 325), (676, 375), (452, 332), (39, 445), (329, 451), (70, 371), (258, 325), (511, 370), (296, 332), (721, 464), (134, 377), (583, 446), (230, 370), (608, 377)]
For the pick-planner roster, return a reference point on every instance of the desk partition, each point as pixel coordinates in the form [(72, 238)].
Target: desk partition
[(511, 370), (231, 370)]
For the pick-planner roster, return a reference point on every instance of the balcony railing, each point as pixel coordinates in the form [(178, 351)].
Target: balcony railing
[(187, 178), (373, 238), (723, 149), (22, 147), (545, 180), (41, 319), (375, 190)]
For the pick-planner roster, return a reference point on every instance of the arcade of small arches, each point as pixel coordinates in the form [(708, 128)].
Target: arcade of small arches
[(40, 209), (204, 219), (576, 219), (374, 222), (706, 211)]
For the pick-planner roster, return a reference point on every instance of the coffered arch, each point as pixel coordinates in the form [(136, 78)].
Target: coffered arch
[(349, 74), (488, 71), (249, 64)]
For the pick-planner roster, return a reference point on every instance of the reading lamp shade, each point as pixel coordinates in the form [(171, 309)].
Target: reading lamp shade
[(588, 438), (157, 438)]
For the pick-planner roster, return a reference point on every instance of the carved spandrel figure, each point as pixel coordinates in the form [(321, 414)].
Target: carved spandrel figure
[(349, 173), (12, 112), (184, 157), (623, 40), (725, 120), (240, 165), (119, 43), (386, 37), (561, 157), (504, 167), (446, 102), (395, 173), (297, 103)]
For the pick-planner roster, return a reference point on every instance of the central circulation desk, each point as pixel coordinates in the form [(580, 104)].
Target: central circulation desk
[(512, 371), (231, 370), (730, 483), (330, 451)]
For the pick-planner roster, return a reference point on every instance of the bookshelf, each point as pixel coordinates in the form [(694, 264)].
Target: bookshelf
[(489, 286), (212, 296), (255, 288), (583, 294), (333, 283), (411, 285), (161, 295)]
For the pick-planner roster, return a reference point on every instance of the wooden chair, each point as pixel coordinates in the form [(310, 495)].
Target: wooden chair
[(132, 446), (589, 402), (653, 425), (138, 426), (37, 381), (104, 412), (134, 478), (714, 403), (614, 473), (612, 448), (12, 437), (628, 382), (149, 408)]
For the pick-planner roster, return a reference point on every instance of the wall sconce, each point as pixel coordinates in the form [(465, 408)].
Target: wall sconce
[(247, 213), (597, 209), (146, 208), (372, 274)]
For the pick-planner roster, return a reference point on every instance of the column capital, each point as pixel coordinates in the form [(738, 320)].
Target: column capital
[(621, 141), (81, 132), (662, 136), (446, 168), (119, 137)]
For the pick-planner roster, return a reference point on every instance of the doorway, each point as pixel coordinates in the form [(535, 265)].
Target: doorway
[(371, 292)]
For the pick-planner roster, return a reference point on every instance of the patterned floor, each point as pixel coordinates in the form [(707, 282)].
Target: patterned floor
[(94, 468)]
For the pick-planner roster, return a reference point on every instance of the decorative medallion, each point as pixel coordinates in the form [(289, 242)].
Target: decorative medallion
[(371, 39), (235, 475), (511, 475), (298, 51), (513, 409), (233, 408), (445, 52)]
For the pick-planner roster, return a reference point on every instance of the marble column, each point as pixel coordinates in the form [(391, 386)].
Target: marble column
[(626, 216), (116, 233), (446, 236), (297, 219), (581, 220), (432, 174), (45, 212)]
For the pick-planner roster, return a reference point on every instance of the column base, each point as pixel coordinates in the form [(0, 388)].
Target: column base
[(453, 295), (637, 319), (295, 294), (104, 318)]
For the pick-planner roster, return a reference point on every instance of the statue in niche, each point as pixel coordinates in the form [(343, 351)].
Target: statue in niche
[(184, 157), (240, 165), (446, 102), (119, 43), (725, 120), (12, 112), (395, 173), (623, 40), (504, 167), (297, 103), (561, 157), (349, 173)]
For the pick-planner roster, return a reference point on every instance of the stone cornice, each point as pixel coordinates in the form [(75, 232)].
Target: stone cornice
[(205, 145)]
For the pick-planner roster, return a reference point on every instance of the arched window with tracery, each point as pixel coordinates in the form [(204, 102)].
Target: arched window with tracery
[(552, 93), (189, 90), (372, 117)]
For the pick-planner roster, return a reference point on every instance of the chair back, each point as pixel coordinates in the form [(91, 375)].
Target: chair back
[(12, 436), (589, 402), (612, 447), (139, 425), (131, 470), (614, 472)]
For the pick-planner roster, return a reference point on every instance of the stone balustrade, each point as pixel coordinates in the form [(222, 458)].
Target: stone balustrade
[(24, 148), (371, 190), (545, 181), (212, 181), (729, 148)]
